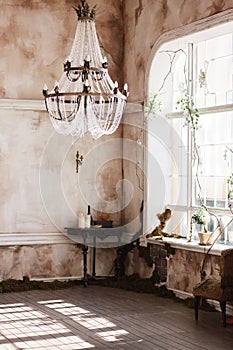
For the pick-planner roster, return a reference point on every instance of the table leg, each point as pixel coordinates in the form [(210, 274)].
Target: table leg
[(84, 252), (118, 263), (93, 262), (223, 309)]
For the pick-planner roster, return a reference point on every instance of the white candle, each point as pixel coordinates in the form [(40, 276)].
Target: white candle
[(81, 221), (88, 221)]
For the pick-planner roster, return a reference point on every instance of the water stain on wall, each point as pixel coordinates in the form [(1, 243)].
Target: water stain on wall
[(107, 179), (138, 12)]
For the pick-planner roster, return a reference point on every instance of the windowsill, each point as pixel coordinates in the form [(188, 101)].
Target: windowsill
[(194, 246)]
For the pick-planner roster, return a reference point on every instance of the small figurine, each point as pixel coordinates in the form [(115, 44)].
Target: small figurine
[(163, 218)]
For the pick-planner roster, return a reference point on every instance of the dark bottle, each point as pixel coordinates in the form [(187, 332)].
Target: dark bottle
[(89, 213)]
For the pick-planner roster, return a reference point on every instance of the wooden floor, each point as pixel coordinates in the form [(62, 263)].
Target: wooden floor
[(106, 318)]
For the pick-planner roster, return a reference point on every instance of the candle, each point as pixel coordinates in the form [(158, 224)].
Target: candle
[(81, 221), (88, 221)]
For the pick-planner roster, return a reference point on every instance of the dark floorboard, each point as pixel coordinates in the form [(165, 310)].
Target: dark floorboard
[(106, 318)]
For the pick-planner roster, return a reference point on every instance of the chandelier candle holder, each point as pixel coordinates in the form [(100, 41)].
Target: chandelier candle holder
[(85, 98)]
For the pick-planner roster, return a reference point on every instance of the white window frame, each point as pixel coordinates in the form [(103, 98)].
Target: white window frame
[(198, 27)]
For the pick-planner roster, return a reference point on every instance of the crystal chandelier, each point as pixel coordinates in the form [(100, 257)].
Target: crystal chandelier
[(85, 98)]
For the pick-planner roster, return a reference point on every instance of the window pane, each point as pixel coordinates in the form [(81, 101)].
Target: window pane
[(214, 71), (179, 169), (214, 139), (169, 81)]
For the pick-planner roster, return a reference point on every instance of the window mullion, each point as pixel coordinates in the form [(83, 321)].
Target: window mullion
[(190, 69), (190, 87)]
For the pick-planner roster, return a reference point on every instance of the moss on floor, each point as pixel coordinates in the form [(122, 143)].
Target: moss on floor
[(131, 283), (12, 285), (147, 285), (136, 284)]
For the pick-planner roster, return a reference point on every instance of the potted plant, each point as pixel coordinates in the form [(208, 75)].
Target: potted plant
[(201, 218)]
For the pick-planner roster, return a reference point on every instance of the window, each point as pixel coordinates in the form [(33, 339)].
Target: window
[(199, 65)]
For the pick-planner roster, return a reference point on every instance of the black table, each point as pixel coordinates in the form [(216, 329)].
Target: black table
[(104, 237)]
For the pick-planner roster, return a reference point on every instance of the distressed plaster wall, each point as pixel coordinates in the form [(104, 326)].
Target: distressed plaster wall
[(51, 261), (184, 269), (145, 21), (133, 171), (135, 264), (35, 39), (40, 189), (23, 137), (178, 268), (42, 261)]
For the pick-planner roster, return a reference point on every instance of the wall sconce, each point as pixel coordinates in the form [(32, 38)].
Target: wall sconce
[(79, 161)]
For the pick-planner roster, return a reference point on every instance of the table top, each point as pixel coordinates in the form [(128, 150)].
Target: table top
[(96, 236)]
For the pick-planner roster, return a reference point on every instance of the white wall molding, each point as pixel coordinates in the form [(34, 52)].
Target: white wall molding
[(134, 107), (16, 104), (39, 105), (22, 239)]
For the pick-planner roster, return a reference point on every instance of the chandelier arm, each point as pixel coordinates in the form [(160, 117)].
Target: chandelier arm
[(80, 68), (46, 105), (77, 93), (73, 80), (50, 113), (71, 116), (93, 71), (58, 108), (76, 108)]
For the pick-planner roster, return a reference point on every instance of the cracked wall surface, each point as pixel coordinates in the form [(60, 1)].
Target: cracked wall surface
[(35, 39)]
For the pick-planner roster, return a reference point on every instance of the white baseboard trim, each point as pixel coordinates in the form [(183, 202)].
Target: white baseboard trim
[(62, 279), (184, 295), (52, 279), (181, 294)]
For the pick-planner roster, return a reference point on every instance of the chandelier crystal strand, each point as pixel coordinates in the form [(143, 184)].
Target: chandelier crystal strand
[(85, 98)]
